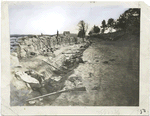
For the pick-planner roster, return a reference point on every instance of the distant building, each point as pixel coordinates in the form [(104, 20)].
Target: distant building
[(66, 32), (108, 30)]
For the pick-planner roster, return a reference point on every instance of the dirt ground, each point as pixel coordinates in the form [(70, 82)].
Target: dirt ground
[(110, 75)]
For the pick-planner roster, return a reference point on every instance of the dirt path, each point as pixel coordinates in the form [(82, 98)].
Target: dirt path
[(110, 76)]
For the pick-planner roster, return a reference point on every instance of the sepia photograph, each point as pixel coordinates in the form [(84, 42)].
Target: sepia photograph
[(72, 53)]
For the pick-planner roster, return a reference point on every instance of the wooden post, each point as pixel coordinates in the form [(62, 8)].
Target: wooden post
[(61, 91)]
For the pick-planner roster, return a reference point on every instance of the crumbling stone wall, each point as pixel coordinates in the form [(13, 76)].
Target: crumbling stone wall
[(31, 46)]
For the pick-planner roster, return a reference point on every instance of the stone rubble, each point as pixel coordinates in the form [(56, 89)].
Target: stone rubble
[(54, 60)]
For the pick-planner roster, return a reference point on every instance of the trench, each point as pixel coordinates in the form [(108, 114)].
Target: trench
[(110, 76), (19, 95), (51, 85)]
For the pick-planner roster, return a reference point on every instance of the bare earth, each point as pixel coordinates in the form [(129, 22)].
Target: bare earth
[(110, 75)]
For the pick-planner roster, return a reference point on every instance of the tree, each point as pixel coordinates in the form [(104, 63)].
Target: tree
[(82, 29), (110, 23), (121, 22), (129, 20), (103, 26), (96, 29), (90, 33)]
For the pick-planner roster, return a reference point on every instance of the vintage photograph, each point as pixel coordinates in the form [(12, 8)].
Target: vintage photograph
[(74, 54)]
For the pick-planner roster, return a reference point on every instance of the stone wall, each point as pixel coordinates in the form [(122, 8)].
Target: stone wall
[(28, 47)]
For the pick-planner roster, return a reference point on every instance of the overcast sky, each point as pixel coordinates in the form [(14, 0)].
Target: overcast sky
[(48, 17)]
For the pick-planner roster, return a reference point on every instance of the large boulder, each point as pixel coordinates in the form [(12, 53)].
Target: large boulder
[(58, 61), (29, 41), (22, 51), (76, 80), (18, 84), (14, 60)]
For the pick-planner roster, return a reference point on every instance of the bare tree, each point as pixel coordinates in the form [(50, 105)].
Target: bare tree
[(57, 38), (82, 29)]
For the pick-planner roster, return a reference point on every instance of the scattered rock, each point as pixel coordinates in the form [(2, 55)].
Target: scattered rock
[(112, 60), (64, 67), (96, 88), (76, 80), (52, 86), (32, 102), (33, 53), (90, 75), (26, 78), (56, 78), (81, 60), (59, 61), (35, 75), (33, 47), (105, 62), (97, 61), (69, 85)]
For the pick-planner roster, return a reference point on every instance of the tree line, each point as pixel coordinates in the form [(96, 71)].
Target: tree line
[(129, 21)]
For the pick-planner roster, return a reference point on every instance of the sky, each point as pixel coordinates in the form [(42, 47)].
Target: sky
[(48, 17)]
